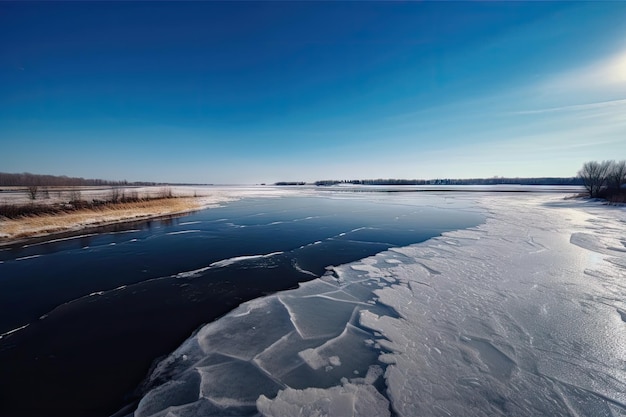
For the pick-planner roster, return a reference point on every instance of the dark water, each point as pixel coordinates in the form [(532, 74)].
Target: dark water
[(101, 307)]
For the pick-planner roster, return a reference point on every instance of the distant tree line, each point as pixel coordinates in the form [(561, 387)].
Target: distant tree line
[(27, 179), (470, 181), (604, 179), (290, 183)]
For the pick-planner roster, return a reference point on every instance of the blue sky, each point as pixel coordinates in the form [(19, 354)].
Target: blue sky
[(238, 92)]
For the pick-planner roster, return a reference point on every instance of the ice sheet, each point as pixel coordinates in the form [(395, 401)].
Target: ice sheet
[(523, 315)]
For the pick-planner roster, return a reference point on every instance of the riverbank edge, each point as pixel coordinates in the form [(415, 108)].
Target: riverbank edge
[(67, 223)]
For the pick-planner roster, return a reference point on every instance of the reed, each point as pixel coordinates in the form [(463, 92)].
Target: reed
[(41, 219)]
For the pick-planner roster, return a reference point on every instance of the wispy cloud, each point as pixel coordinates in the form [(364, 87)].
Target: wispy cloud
[(577, 107)]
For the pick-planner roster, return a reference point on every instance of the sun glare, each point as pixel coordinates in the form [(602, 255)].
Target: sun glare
[(616, 69)]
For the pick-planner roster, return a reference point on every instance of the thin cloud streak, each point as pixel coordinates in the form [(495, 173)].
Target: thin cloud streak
[(575, 107)]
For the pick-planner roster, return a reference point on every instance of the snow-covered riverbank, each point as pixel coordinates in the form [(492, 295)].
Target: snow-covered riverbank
[(523, 315), (189, 198)]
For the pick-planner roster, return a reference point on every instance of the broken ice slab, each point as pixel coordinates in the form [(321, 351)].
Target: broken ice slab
[(236, 383), (316, 317), (245, 332)]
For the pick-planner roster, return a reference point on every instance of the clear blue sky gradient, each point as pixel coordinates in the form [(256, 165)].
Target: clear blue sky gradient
[(238, 92)]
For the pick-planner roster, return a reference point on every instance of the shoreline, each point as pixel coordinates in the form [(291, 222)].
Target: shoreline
[(185, 200), (17, 231)]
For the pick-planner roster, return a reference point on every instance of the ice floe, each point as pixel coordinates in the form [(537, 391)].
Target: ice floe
[(224, 263), (14, 330), (47, 242), (182, 232), (231, 261), (24, 258)]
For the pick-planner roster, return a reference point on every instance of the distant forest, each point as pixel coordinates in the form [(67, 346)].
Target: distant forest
[(471, 181), (28, 179)]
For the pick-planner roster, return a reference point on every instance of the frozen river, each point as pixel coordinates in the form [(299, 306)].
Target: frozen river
[(415, 304)]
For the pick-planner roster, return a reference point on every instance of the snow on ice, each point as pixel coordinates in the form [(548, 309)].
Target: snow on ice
[(520, 316)]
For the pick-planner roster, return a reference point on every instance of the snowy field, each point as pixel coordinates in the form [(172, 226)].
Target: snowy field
[(209, 194), (524, 315)]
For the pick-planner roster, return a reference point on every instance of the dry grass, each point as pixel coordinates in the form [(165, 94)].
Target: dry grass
[(39, 225)]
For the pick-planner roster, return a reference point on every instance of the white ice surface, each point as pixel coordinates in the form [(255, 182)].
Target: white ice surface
[(524, 315), (347, 400)]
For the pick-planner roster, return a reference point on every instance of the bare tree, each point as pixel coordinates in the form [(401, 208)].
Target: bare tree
[(32, 191), (594, 176), (166, 192), (115, 195), (617, 175), (133, 196), (75, 196)]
